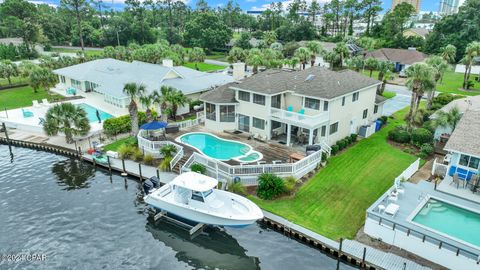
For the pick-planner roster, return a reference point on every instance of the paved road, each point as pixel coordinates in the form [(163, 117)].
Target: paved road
[(395, 104), (215, 62), (77, 48)]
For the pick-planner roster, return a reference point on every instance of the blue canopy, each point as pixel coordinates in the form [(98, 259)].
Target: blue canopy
[(153, 125)]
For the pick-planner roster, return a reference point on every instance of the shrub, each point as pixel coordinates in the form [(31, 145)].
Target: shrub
[(198, 168), (341, 144), (122, 124), (399, 134), (290, 183), (348, 140), (324, 156), (125, 151), (353, 136), (421, 136), (427, 149), (445, 98), (148, 159), (237, 188), (335, 149), (384, 119), (137, 154), (430, 125), (194, 103), (269, 186), (165, 164)]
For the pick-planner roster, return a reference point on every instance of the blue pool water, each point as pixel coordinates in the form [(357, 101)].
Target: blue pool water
[(452, 220), (92, 113), (215, 147)]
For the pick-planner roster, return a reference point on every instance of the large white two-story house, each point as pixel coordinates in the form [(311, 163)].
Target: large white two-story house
[(307, 106)]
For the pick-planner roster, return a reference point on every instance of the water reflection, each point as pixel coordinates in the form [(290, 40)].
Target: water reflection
[(73, 174), (213, 248)]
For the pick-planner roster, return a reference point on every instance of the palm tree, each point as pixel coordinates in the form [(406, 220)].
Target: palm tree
[(68, 119), (303, 54), (254, 59), (161, 99), (134, 90), (42, 78), (356, 63), (292, 62), (448, 119), (448, 53), (176, 99), (237, 54), (419, 80), (342, 50), (8, 70), (472, 50), (331, 58), (315, 48), (167, 152), (197, 55), (371, 64), (384, 72), (147, 102), (439, 66), (269, 37)]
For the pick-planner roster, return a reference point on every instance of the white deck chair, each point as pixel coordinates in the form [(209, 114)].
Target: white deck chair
[(45, 102), (35, 103)]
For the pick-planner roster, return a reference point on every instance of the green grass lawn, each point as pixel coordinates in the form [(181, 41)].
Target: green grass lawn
[(87, 52), (334, 201), (15, 80), (191, 117), (453, 81), (23, 97), (220, 56), (204, 66), (116, 144), (388, 94)]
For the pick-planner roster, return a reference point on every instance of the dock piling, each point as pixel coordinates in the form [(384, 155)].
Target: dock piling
[(363, 257), (140, 171), (109, 165)]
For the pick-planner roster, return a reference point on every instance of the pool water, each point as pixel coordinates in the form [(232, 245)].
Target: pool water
[(250, 157), (452, 220), (92, 113), (217, 148)]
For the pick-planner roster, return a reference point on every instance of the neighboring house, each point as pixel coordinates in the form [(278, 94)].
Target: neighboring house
[(108, 77), (416, 32), (402, 58), (463, 104), (307, 106), (464, 146)]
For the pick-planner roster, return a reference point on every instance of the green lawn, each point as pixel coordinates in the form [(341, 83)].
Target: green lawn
[(333, 202), (453, 81), (204, 66), (114, 145), (388, 94), (87, 52), (15, 80), (219, 56), (22, 97)]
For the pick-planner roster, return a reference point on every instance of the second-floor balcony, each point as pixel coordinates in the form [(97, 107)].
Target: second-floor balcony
[(300, 118)]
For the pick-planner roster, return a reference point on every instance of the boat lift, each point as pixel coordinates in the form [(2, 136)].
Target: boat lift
[(193, 230)]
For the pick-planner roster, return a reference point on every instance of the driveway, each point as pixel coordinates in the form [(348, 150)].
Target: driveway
[(395, 104)]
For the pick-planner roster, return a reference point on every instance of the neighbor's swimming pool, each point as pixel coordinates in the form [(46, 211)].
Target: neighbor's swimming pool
[(92, 113), (218, 148), (450, 220)]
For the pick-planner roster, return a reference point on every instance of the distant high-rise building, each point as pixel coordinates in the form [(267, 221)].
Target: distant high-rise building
[(448, 7), (414, 3)]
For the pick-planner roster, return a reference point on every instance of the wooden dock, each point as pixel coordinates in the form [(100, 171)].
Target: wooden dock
[(350, 251)]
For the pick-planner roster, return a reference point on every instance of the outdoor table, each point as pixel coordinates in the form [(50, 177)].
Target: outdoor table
[(295, 157)]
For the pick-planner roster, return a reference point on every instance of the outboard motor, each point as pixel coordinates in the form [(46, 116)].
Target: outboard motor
[(147, 186), (155, 181)]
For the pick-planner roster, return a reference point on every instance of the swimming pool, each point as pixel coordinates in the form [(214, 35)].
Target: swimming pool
[(92, 113), (218, 148), (450, 220)]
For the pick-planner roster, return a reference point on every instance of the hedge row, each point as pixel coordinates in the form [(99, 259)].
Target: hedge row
[(123, 124), (343, 143)]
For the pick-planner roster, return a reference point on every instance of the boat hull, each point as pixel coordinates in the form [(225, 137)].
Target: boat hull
[(196, 216)]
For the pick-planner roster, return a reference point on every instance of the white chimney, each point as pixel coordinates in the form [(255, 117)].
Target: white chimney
[(167, 63), (238, 71)]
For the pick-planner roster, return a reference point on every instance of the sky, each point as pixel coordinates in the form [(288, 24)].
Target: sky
[(426, 5)]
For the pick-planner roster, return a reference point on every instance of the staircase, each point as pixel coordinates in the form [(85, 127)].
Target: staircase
[(180, 163)]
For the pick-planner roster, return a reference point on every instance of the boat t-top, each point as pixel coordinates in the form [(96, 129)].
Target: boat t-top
[(194, 196)]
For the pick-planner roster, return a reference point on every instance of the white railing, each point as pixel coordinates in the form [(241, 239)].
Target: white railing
[(188, 123), (439, 169), (408, 172), (298, 118), (153, 148), (248, 174)]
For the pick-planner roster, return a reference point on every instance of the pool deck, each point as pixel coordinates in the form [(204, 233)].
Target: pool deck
[(414, 197), (271, 151)]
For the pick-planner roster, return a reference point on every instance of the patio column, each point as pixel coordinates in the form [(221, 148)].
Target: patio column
[(289, 131), (310, 136)]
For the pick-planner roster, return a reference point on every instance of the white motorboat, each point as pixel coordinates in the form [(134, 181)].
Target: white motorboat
[(194, 196)]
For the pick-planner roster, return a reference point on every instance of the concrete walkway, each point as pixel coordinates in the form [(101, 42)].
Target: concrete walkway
[(395, 104), (216, 62)]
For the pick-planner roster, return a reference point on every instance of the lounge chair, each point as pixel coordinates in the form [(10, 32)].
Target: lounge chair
[(301, 112), (35, 103), (27, 113), (45, 102), (392, 209), (41, 120), (456, 180)]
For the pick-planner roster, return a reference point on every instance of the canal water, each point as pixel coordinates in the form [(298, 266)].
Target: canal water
[(70, 215)]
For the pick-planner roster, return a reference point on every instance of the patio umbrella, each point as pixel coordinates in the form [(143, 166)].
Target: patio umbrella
[(154, 125)]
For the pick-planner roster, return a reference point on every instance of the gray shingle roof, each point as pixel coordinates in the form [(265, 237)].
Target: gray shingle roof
[(322, 83), (465, 137), (397, 55), (113, 74), (220, 95), (380, 99)]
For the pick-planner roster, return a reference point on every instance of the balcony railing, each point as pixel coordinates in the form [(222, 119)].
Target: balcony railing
[(298, 119)]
